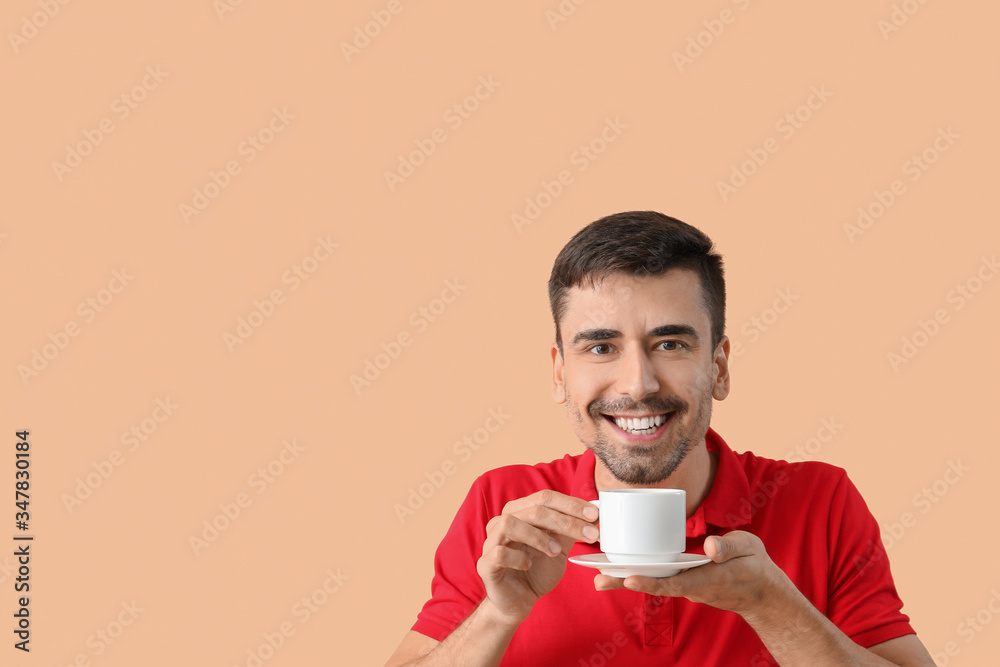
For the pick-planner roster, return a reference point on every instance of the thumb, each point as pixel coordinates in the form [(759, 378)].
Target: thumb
[(735, 544), (720, 548)]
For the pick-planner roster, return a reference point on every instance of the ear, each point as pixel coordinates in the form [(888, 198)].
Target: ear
[(558, 385), (720, 386)]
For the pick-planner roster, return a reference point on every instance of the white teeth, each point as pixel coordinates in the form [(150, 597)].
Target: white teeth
[(640, 425)]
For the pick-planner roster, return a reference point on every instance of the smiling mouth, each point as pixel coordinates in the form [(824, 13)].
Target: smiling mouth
[(644, 425)]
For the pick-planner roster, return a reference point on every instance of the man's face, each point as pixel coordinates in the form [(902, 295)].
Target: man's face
[(637, 351)]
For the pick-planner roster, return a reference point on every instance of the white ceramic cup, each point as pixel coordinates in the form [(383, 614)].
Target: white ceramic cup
[(642, 525)]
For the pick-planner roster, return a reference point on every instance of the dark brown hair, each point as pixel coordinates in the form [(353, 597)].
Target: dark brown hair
[(639, 243)]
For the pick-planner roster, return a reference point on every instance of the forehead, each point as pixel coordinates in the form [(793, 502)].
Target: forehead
[(641, 302)]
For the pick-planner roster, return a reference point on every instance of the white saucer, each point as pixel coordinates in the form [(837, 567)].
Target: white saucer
[(622, 570)]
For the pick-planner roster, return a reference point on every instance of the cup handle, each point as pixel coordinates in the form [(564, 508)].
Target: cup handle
[(595, 503)]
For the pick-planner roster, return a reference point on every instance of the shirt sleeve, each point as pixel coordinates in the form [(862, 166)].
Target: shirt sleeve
[(456, 589), (863, 601)]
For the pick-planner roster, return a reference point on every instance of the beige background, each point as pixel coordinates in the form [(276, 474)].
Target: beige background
[(556, 84)]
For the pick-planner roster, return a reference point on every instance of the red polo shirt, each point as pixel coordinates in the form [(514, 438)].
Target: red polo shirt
[(810, 517)]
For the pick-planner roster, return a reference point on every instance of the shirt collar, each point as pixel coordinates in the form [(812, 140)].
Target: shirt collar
[(583, 481), (729, 498), (728, 501)]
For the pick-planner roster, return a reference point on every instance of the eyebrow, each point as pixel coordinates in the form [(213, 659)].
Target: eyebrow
[(591, 335)]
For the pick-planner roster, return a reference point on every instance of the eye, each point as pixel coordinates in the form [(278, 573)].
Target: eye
[(672, 345), (600, 348)]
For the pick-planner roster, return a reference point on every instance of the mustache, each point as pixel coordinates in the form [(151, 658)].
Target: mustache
[(654, 404)]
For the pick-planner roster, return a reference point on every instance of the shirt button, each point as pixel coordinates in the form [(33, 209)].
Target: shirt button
[(657, 600)]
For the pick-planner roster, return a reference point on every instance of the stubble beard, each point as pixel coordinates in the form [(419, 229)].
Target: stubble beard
[(643, 465)]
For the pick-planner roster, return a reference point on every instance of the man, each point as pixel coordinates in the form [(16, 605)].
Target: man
[(798, 575)]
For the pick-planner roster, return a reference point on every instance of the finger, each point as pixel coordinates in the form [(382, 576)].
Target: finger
[(664, 586), (499, 558), (715, 548), (569, 505), (603, 582), (505, 530), (721, 548), (559, 524)]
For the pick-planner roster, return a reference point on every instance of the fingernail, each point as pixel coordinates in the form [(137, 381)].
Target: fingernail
[(555, 548), (590, 512), (590, 532)]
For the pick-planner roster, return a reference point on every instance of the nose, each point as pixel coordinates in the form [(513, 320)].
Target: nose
[(636, 376)]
